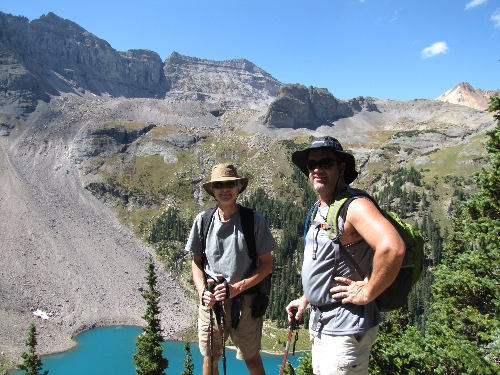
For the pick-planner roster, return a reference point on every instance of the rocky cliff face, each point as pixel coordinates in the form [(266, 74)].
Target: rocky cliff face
[(298, 106), (65, 57), (60, 56), (232, 82)]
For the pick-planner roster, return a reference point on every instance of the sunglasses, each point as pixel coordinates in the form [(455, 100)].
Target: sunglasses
[(224, 185), (321, 164)]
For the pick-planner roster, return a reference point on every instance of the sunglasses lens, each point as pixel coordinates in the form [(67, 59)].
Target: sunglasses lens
[(321, 164), (224, 185)]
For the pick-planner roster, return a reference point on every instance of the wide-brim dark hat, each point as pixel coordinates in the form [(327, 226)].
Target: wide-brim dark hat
[(299, 158), (225, 172)]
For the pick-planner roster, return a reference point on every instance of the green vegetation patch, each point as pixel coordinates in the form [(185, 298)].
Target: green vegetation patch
[(413, 133), (463, 159), (274, 339), (129, 125)]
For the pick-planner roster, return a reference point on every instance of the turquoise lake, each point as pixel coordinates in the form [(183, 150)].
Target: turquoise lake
[(109, 351)]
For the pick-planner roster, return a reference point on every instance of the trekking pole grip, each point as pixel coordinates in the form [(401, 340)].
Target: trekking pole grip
[(211, 285), (221, 279), (293, 323)]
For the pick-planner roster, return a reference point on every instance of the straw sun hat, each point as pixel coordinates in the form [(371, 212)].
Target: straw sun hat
[(225, 172)]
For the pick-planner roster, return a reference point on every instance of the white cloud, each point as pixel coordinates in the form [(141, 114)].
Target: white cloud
[(437, 48), (495, 18), (474, 3)]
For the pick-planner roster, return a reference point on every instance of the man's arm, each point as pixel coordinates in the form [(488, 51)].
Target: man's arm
[(365, 221), (264, 268), (199, 277)]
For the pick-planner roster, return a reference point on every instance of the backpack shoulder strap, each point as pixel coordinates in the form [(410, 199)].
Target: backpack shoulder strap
[(351, 195), (334, 211), (206, 218), (333, 215), (309, 217), (248, 226)]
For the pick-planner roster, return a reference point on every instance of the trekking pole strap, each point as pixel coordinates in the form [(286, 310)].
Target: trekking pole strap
[(295, 341)]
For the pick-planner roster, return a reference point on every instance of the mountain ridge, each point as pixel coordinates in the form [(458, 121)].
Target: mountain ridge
[(78, 152), (92, 64)]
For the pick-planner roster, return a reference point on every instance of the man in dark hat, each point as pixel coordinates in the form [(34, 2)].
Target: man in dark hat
[(224, 252), (344, 316)]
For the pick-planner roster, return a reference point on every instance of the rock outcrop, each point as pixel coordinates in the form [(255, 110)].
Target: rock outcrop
[(298, 106)]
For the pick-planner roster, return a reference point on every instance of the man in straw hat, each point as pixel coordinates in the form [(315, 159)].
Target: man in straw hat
[(344, 316), (226, 254)]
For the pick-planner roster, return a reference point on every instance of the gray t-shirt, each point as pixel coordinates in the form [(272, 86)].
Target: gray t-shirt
[(328, 315), (226, 249)]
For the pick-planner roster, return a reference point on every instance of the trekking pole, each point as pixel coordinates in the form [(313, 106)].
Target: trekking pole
[(290, 333), (210, 287), (220, 278)]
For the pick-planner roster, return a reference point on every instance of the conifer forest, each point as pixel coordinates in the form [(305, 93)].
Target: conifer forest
[(450, 324)]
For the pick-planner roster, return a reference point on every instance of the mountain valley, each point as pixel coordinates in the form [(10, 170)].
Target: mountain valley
[(96, 143)]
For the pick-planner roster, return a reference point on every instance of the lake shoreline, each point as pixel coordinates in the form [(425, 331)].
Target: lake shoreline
[(110, 346)]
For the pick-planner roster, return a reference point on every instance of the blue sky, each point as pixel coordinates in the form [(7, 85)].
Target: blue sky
[(388, 49)]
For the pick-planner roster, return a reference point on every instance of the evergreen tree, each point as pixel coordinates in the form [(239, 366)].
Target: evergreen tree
[(149, 357), (460, 333), (188, 362), (32, 364), (305, 367), (464, 326), (399, 348), (289, 370)]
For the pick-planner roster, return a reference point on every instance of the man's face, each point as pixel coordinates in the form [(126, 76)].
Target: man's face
[(325, 171), (225, 192)]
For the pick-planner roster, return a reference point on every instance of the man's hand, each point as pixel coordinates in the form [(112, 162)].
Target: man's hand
[(220, 292), (208, 298), (354, 292), (298, 307), (214, 293)]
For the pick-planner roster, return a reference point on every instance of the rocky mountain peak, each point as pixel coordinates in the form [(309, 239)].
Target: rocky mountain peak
[(465, 94), (51, 21), (229, 82)]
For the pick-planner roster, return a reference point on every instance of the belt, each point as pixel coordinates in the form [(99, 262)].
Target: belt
[(328, 307)]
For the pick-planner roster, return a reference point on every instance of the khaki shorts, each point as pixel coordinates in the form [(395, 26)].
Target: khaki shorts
[(247, 337), (342, 355)]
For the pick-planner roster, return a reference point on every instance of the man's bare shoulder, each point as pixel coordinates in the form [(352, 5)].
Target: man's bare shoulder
[(361, 213)]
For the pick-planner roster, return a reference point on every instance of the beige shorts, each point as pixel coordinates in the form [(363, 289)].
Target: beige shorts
[(247, 337), (342, 355)]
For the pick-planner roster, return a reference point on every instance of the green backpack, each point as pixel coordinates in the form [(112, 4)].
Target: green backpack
[(396, 295)]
